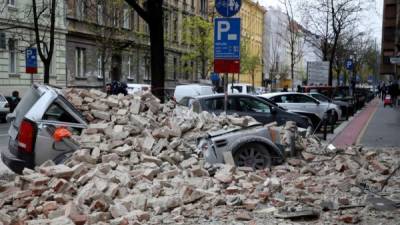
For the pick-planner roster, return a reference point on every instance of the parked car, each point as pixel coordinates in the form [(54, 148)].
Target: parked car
[(264, 111), (346, 107), (192, 90), (305, 105), (40, 129), (135, 88), (250, 147), (4, 108), (241, 88)]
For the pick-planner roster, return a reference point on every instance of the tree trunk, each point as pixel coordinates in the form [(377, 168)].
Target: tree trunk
[(157, 48), (292, 74), (252, 78), (204, 68), (46, 68)]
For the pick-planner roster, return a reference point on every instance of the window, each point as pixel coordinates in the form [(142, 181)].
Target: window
[(53, 64), (203, 6), (12, 51), (175, 67), (130, 68), (80, 62), (390, 11), (320, 97), (99, 67), (302, 99), (57, 113), (127, 19), (100, 14), (217, 104), (115, 17), (11, 2), (253, 105), (80, 10)]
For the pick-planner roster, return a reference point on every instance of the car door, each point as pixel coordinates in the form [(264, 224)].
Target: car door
[(259, 110), (308, 104)]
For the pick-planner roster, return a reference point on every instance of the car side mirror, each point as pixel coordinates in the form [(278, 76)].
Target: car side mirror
[(317, 103)]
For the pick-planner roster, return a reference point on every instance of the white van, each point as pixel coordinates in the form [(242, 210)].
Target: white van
[(135, 88), (241, 88), (192, 90)]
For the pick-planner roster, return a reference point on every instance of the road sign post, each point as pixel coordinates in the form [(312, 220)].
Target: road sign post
[(226, 49), (31, 62)]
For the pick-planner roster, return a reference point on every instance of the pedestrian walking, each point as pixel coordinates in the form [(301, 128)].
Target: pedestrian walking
[(15, 99), (383, 92), (394, 92)]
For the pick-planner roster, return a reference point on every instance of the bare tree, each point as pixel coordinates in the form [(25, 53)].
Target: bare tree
[(294, 38), (45, 49), (330, 19), (151, 11), (43, 16)]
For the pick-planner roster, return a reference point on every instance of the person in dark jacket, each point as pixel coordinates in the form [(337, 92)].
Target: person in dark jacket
[(15, 99), (394, 92)]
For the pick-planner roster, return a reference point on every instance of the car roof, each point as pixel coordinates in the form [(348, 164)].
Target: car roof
[(193, 85), (270, 95), (222, 95)]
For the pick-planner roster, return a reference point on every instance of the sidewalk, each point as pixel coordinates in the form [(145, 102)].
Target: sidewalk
[(355, 128), (383, 130)]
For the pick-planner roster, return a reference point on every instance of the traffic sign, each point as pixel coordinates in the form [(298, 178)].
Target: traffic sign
[(31, 60), (227, 45), (228, 8), (395, 60), (349, 64)]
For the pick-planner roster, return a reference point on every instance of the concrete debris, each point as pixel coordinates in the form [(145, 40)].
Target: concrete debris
[(138, 164)]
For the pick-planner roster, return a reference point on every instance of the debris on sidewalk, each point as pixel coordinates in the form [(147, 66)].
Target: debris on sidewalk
[(138, 165)]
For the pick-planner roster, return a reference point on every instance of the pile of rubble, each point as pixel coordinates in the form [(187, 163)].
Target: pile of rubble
[(138, 164)]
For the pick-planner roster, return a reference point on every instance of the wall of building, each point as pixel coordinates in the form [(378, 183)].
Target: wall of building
[(137, 37), (252, 15)]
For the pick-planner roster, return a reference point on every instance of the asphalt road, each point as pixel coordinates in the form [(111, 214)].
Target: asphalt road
[(3, 144)]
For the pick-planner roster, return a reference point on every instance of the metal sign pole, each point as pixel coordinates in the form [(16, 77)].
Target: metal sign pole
[(226, 93), (31, 78)]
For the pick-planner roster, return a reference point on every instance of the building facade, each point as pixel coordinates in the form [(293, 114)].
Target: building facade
[(108, 40), (17, 35), (390, 38), (252, 16), (277, 55)]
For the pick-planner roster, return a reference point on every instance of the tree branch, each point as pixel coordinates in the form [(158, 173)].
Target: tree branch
[(140, 11)]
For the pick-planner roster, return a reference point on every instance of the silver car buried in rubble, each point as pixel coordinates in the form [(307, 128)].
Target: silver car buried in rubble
[(250, 147), (40, 129)]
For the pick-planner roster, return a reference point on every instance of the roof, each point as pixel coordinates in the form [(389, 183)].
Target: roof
[(270, 95)]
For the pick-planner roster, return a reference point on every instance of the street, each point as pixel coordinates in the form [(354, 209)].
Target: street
[(3, 144)]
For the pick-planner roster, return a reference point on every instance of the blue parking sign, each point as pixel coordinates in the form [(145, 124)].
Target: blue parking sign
[(31, 60), (349, 64), (227, 38)]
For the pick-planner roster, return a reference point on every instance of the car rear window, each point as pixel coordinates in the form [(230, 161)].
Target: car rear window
[(56, 113), (28, 100)]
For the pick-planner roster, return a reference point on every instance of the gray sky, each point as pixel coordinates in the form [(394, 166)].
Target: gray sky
[(371, 20)]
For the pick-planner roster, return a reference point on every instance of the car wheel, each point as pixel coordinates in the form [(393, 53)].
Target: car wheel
[(253, 155)]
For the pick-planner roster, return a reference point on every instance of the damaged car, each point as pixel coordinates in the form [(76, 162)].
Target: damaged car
[(41, 128)]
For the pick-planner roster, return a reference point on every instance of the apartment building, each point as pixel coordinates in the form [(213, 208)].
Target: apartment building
[(390, 39), (108, 39)]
